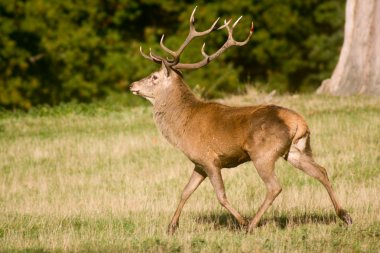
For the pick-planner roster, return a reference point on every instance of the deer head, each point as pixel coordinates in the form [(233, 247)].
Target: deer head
[(155, 84)]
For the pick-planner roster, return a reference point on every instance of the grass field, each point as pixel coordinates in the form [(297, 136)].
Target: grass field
[(100, 178)]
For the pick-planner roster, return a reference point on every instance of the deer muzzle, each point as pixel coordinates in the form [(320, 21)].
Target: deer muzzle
[(133, 89)]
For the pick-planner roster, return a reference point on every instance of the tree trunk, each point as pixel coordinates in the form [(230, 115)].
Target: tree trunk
[(358, 68)]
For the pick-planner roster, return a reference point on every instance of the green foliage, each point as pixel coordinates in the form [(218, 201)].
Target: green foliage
[(59, 51)]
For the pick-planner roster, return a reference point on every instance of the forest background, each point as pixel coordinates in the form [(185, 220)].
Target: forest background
[(82, 51)]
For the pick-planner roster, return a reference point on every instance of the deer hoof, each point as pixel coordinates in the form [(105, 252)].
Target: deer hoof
[(244, 223), (250, 228), (172, 228), (344, 216)]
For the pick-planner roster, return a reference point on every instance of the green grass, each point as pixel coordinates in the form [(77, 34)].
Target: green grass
[(100, 178)]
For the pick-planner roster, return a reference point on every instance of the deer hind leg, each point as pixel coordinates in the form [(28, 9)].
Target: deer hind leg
[(216, 179), (300, 156), (195, 180), (265, 169)]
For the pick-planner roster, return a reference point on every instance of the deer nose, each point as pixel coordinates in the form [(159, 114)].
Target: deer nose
[(133, 89)]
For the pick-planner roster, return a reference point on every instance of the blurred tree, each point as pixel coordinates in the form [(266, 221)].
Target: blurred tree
[(357, 71), (58, 51)]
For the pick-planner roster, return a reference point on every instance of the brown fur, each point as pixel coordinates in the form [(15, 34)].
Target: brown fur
[(215, 136)]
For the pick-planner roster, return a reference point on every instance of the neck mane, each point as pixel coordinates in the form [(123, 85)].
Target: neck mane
[(174, 109)]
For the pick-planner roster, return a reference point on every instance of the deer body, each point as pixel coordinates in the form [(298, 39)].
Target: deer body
[(215, 136), (226, 136)]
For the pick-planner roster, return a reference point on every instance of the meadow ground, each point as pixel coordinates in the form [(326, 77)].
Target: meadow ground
[(100, 178)]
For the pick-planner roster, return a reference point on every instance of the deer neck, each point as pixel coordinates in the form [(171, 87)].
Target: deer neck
[(173, 110)]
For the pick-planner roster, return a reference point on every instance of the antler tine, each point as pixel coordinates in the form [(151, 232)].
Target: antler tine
[(242, 43), (147, 56), (155, 57), (192, 15), (192, 21), (249, 36), (226, 23), (164, 47), (203, 51), (212, 28), (237, 21)]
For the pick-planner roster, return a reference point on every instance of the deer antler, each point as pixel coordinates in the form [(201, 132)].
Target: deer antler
[(193, 33), (230, 42)]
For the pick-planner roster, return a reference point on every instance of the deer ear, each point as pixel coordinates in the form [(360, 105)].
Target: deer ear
[(166, 69)]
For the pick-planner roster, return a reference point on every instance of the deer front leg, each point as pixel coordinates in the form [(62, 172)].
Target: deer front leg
[(217, 182), (195, 180)]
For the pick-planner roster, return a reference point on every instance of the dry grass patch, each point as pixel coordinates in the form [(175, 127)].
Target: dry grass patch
[(96, 178)]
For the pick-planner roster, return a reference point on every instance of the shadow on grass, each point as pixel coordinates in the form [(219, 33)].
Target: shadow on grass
[(219, 221), (225, 220), (282, 221)]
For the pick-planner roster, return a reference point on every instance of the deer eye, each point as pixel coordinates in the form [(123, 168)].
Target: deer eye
[(155, 77)]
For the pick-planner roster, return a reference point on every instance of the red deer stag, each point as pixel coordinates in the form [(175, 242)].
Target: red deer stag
[(215, 136)]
